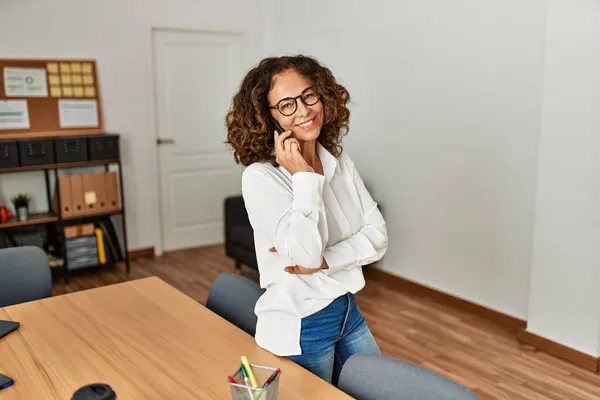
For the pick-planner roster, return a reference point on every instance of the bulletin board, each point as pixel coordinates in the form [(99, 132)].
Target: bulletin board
[(49, 97)]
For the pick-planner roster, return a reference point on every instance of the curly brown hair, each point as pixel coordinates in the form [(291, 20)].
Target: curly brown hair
[(249, 128)]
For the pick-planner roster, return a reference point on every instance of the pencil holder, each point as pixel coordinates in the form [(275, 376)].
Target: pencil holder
[(268, 382)]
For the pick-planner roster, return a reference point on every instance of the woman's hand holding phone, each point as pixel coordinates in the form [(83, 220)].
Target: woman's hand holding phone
[(288, 155)]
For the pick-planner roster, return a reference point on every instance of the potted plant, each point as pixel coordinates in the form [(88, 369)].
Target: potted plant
[(21, 202)]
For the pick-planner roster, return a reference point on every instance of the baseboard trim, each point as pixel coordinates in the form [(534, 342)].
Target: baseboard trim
[(556, 349), (404, 285), (516, 325), (144, 252)]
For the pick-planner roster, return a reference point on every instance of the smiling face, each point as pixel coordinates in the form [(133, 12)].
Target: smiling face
[(306, 122)]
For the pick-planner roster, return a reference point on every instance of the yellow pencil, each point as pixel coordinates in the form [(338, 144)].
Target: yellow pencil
[(253, 380)]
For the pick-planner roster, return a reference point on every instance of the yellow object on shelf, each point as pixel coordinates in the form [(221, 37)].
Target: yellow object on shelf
[(100, 243)]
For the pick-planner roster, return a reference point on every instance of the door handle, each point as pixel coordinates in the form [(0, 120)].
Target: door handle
[(160, 141)]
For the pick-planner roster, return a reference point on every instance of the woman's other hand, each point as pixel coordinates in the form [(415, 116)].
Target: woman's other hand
[(287, 154), (300, 270)]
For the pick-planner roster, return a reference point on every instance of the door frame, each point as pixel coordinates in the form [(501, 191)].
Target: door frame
[(153, 107)]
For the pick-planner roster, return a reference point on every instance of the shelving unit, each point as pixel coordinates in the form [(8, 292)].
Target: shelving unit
[(53, 140), (34, 219), (57, 166), (56, 219)]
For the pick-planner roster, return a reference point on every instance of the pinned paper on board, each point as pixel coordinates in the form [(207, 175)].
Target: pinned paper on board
[(65, 68), (14, 114), (78, 113), (55, 92), (88, 79), (25, 82), (90, 91), (52, 68)]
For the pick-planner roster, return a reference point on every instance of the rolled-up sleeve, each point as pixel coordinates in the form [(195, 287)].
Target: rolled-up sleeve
[(294, 222)]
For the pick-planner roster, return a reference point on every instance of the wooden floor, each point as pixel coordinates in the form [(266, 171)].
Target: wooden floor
[(464, 347)]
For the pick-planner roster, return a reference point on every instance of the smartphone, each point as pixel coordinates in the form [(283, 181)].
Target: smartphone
[(7, 327), (278, 127), (5, 382)]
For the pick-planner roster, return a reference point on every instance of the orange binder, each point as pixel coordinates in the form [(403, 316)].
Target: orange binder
[(86, 229), (100, 187), (77, 201), (64, 191), (90, 197), (112, 191), (71, 232)]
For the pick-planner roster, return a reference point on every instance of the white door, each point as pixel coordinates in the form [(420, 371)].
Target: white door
[(196, 75)]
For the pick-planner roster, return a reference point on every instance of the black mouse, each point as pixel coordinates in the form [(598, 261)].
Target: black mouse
[(95, 391)]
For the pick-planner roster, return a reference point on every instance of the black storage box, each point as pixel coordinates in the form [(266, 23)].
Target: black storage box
[(71, 149), (9, 154), (104, 147), (36, 152)]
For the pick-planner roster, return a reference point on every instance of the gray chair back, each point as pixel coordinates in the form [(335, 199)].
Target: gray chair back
[(24, 275), (233, 297), (375, 377)]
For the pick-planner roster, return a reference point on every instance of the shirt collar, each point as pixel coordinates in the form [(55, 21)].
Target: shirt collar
[(330, 163)]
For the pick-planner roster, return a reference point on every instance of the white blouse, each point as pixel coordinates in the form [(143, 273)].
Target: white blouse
[(307, 216)]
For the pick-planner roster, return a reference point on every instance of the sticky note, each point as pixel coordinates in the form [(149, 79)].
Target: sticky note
[(65, 79), (53, 80), (65, 68), (88, 79), (86, 68), (78, 90), (90, 198), (90, 91), (75, 67), (76, 79), (55, 92), (52, 68), (67, 91)]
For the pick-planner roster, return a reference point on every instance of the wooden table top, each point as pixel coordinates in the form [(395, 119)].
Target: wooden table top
[(144, 338)]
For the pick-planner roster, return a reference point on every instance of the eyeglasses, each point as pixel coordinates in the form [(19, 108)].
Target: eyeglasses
[(289, 105)]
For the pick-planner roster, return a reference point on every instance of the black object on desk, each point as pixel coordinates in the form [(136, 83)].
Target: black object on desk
[(95, 391), (7, 327)]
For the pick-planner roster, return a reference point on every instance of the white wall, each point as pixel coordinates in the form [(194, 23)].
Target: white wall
[(564, 298), (444, 128), (118, 34)]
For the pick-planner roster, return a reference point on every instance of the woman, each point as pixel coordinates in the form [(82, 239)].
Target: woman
[(314, 222)]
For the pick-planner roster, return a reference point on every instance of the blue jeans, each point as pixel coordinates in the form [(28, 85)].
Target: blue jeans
[(329, 337)]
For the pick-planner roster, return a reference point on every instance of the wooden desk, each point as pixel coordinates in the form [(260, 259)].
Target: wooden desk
[(144, 338)]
